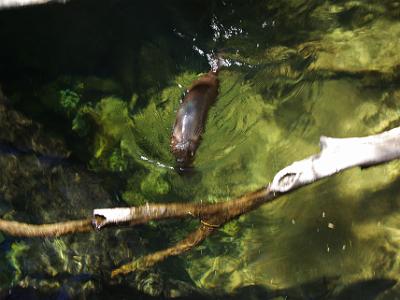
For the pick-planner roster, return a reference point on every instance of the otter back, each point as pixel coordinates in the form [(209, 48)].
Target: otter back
[(191, 118)]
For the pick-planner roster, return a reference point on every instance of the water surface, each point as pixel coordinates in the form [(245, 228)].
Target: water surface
[(107, 76)]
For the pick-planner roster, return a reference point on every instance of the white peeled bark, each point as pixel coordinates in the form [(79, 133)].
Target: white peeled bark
[(112, 215), (338, 154), (19, 3)]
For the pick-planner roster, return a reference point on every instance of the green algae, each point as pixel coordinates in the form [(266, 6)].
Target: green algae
[(360, 50), (112, 132), (69, 100), (324, 77), (117, 161), (154, 184), (17, 250), (67, 94)]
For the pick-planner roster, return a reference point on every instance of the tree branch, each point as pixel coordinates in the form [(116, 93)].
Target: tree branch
[(336, 155), (153, 212), (191, 241), (31, 230)]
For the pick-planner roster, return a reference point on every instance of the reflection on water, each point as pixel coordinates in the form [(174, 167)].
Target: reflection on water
[(109, 83)]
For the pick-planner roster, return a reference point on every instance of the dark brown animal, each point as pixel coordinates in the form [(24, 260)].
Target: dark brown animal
[(191, 117)]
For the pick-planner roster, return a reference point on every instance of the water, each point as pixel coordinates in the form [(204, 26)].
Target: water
[(106, 77)]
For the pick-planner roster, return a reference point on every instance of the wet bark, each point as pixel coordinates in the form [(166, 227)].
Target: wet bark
[(31, 230)]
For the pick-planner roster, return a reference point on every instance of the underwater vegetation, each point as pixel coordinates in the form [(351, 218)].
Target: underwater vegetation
[(100, 95)]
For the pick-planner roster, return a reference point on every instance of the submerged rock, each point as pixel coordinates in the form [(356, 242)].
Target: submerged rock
[(35, 191), (27, 135), (372, 48)]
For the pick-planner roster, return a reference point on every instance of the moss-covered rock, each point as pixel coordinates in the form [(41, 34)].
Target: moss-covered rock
[(27, 135)]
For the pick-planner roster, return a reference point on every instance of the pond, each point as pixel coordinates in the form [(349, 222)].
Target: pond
[(104, 80)]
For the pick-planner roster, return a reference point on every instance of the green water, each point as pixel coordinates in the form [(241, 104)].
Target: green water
[(106, 77)]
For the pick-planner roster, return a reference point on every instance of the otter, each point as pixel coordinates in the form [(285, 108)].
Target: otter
[(191, 118)]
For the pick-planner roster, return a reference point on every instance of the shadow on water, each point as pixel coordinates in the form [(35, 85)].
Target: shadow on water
[(321, 289), (96, 37)]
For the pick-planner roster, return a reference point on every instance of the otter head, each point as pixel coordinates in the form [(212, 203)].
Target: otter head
[(183, 151)]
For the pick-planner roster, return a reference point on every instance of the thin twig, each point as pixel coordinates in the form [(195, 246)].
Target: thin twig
[(191, 241)]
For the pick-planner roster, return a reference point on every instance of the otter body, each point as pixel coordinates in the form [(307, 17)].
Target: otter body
[(191, 118)]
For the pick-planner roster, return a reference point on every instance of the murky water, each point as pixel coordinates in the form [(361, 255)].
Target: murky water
[(107, 76)]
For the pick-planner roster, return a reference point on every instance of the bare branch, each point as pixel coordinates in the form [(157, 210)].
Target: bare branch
[(337, 155), (191, 241), (152, 212), (31, 230)]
